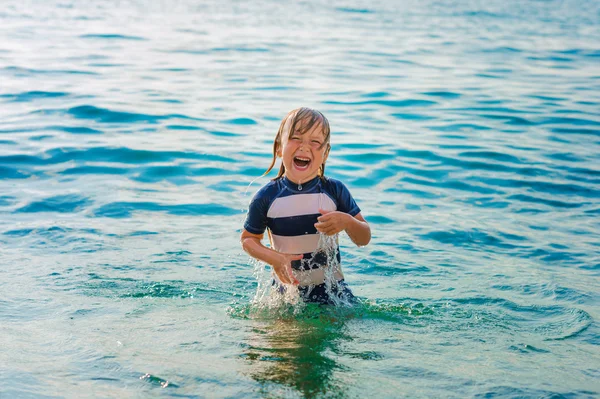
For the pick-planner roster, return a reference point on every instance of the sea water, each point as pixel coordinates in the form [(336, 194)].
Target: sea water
[(468, 133)]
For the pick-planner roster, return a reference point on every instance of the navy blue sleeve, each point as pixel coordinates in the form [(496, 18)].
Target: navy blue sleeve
[(345, 202), (256, 219)]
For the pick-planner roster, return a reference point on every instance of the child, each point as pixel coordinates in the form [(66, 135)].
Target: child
[(299, 204)]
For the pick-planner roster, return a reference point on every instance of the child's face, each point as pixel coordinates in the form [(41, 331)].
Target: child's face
[(303, 154)]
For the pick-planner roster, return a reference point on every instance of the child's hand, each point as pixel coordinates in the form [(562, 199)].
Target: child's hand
[(283, 269), (332, 222)]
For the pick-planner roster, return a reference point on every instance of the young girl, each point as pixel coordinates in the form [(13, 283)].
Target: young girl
[(299, 204)]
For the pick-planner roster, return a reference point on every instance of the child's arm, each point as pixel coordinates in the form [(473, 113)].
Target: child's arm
[(357, 228), (281, 263)]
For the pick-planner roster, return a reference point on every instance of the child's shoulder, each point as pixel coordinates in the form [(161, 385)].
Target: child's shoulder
[(271, 189), (334, 184)]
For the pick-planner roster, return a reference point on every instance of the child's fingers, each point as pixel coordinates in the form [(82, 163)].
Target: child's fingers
[(327, 229), (291, 275), (322, 229), (323, 211), (323, 225), (326, 216), (283, 278)]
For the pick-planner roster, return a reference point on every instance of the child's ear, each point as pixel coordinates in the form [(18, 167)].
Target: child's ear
[(278, 151)]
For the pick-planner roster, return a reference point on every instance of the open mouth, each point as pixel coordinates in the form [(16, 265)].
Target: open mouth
[(301, 162)]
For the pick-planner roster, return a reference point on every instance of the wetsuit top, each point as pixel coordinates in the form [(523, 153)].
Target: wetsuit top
[(290, 212)]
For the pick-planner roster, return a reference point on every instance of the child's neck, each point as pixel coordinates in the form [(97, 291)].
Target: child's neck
[(300, 181), (300, 184)]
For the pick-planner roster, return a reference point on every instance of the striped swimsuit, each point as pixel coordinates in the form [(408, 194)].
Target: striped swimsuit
[(289, 212)]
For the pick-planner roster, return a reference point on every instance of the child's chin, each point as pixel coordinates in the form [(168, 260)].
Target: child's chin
[(304, 177)]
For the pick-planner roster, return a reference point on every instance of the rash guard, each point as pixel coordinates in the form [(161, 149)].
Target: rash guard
[(289, 211)]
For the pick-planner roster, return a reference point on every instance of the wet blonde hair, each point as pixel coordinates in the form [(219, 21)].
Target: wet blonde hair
[(302, 121)]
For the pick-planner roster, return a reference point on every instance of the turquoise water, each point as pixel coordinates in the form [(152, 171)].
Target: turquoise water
[(468, 132)]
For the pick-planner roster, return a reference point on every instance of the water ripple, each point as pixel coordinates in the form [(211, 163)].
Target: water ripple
[(105, 115), (62, 204), (105, 154), (33, 95), (387, 103), (469, 238), (125, 209), (107, 36)]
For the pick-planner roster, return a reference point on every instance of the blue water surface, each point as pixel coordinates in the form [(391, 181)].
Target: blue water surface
[(468, 132)]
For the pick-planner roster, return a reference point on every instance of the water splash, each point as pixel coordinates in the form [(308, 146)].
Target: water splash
[(270, 301), (329, 246), (273, 299)]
